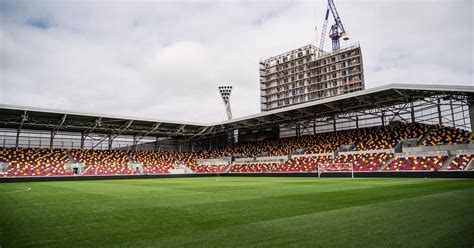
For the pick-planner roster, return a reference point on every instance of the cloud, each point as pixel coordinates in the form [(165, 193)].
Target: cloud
[(165, 59)]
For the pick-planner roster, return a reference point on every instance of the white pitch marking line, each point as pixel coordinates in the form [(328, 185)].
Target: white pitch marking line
[(16, 191)]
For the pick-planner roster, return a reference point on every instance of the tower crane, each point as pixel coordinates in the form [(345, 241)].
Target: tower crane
[(337, 29)]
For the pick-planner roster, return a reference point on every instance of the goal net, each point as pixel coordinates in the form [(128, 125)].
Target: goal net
[(335, 167)]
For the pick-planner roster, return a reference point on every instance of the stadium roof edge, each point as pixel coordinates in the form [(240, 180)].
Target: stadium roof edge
[(424, 87), (62, 111), (51, 119)]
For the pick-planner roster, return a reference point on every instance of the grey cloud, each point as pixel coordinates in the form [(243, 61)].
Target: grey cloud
[(165, 59)]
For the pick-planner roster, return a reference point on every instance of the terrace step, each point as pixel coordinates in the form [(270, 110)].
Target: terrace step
[(129, 158), (70, 157), (387, 164), (227, 168), (448, 162), (422, 140), (3, 168), (470, 166), (186, 169)]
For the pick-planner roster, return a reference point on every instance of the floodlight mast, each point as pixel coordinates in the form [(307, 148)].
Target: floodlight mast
[(225, 94)]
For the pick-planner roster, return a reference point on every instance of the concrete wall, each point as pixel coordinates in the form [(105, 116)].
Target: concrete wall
[(418, 174)]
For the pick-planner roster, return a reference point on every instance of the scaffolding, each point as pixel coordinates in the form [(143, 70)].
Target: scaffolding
[(308, 74)]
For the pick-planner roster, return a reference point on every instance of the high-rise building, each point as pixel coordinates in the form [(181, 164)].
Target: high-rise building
[(308, 74)]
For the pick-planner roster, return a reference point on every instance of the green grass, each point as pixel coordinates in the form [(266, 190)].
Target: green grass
[(232, 211)]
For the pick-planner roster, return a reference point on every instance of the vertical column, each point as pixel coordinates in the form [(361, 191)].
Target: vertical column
[(440, 117), (157, 145), (412, 112), (297, 129), (82, 140), (471, 113), (334, 124), (314, 126), (17, 137), (110, 142), (134, 142), (383, 119), (452, 112), (51, 140)]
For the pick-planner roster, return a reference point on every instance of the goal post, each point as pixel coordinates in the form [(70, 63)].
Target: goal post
[(335, 167)]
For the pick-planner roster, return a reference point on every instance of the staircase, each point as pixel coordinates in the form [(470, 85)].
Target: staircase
[(398, 147), (470, 166), (184, 168), (422, 140), (3, 168), (447, 162), (227, 168), (129, 159), (68, 166), (386, 164), (70, 157)]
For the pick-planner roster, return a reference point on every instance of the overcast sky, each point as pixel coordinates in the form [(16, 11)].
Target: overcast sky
[(165, 59)]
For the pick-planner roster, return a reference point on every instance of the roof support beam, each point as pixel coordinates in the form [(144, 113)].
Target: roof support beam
[(331, 107), (153, 129), (181, 128), (120, 131), (97, 123), (24, 117), (56, 129), (111, 139)]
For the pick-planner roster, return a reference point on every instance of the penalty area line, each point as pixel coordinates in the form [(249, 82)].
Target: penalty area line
[(15, 191)]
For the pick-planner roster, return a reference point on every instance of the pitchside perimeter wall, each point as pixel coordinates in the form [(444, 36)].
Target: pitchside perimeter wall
[(417, 174)]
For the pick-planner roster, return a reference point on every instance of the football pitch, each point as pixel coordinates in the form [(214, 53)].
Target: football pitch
[(238, 212)]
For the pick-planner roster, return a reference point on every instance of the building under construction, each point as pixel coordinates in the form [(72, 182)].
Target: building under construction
[(309, 73)]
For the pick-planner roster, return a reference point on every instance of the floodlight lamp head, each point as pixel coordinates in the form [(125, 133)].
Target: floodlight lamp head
[(225, 94)]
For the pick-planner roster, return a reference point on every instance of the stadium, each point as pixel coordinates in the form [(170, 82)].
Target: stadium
[(385, 166)]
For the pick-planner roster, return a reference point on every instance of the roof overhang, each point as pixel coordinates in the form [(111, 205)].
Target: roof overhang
[(60, 120)]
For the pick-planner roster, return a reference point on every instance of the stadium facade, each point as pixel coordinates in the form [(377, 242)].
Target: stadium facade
[(392, 128), (447, 105), (308, 74)]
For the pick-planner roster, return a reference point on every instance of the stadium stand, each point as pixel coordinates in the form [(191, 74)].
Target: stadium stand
[(302, 164), (442, 135), (431, 163), (154, 162), (329, 142), (253, 167), (388, 137), (209, 168), (35, 162), (362, 162), (189, 158), (460, 162), (367, 152), (103, 162)]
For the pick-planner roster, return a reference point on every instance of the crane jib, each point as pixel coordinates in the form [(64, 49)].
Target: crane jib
[(327, 14)]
